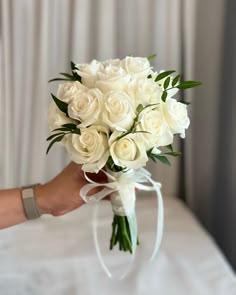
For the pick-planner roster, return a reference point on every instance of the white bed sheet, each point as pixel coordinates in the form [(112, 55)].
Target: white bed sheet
[(56, 256)]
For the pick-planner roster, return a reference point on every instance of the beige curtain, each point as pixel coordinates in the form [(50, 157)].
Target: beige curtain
[(38, 40), (210, 151)]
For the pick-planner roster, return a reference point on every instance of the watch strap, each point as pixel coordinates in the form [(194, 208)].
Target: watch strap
[(29, 202)]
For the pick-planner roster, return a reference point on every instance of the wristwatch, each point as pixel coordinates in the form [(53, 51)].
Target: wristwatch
[(29, 202)]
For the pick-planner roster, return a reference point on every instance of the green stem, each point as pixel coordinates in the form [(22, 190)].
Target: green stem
[(112, 241), (121, 234), (124, 231)]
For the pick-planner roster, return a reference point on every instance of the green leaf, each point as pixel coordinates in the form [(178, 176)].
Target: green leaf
[(164, 96), (61, 129), (57, 139), (152, 158), (76, 76), (139, 108), (163, 75), (72, 65), (69, 125), (151, 155), (60, 104), (76, 131), (163, 159), (160, 157), (170, 147), (173, 154), (54, 135), (175, 80), (149, 76), (166, 83), (58, 79), (111, 165), (188, 84), (69, 76), (151, 57)]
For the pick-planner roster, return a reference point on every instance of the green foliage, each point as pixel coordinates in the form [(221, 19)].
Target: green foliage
[(151, 57), (58, 79), (69, 77), (121, 234), (170, 147), (57, 139), (73, 68), (164, 95), (163, 75), (61, 104), (112, 166), (167, 82), (188, 84), (176, 83), (175, 80), (162, 157), (139, 108), (136, 122), (61, 132)]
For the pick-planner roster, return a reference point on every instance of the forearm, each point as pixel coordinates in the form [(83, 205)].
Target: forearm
[(57, 197), (11, 208)]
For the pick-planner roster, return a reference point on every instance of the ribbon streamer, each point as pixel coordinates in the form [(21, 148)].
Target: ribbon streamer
[(124, 184)]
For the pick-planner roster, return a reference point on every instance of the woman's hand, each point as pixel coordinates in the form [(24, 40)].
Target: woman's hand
[(57, 197), (62, 194)]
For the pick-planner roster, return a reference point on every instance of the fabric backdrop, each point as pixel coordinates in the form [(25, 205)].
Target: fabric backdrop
[(213, 189), (39, 38)]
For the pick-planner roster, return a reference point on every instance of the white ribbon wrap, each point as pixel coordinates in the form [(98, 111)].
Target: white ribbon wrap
[(121, 186)]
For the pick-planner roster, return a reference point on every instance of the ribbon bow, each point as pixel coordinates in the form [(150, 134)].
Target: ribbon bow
[(123, 203)]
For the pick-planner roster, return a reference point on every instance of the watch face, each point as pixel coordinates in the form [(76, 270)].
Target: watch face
[(27, 193)]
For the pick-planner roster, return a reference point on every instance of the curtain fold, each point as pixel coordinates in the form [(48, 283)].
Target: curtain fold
[(210, 163), (224, 209)]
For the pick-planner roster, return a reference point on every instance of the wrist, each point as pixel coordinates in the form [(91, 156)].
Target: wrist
[(42, 197)]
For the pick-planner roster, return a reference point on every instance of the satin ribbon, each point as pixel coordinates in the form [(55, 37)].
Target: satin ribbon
[(124, 184)]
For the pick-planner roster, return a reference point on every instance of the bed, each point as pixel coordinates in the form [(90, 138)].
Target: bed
[(56, 256)]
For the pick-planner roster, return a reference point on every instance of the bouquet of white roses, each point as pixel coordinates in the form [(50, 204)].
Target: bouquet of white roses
[(114, 116)]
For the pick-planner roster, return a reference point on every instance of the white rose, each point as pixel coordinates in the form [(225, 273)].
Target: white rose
[(90, 148), (88, 72), (176, 116), (145, 91), (86, 107), (127, 151), (152, 121), (118, 112), (67, 91), (137, 67), (114, 62), (113, 77)]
